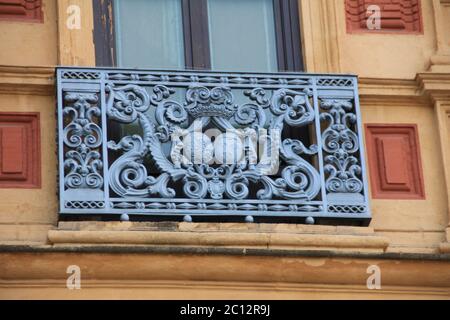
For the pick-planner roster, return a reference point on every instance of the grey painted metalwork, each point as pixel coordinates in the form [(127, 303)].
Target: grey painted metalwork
[(117, 144)]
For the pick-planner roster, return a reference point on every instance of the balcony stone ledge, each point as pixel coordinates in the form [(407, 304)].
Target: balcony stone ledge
[(444, 247), (228, 235)]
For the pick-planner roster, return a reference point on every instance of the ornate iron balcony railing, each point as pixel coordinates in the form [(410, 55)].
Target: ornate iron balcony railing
[(139, 142)]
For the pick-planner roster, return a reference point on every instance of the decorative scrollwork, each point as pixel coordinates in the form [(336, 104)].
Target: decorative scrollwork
[(84, 168), (204, 102), (171, 113), (250, 115), (340, 143), (126, 103), (258, 95), (128, 174), (293, 107), (163, 142), (82, 137), (195, 186)]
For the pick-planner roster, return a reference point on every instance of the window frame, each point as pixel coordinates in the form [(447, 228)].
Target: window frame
[(195, 34)]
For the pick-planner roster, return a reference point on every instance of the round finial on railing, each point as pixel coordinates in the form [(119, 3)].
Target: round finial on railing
[(124, 217), (187, 218), (249, 219), (310, 220)]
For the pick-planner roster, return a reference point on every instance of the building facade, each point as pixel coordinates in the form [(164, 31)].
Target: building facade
[(373, 225)]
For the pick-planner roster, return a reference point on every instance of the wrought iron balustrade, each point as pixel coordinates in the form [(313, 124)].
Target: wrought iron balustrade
[(140, 142)]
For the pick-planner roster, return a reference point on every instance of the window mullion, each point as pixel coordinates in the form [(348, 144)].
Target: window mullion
[(279, 35), (294, 17), (196, 34), (288, 35), (104, 33)]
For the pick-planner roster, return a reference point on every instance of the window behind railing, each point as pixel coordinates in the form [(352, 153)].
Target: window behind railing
[(244, 35)]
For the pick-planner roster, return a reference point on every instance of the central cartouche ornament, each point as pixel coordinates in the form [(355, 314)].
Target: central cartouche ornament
[(215, 102)]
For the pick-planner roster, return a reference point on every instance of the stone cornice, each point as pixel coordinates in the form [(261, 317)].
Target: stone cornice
[(436, 86), (426, 87), (27, 80), (392, 90), (47, 266), (222, 251), (40, 80)]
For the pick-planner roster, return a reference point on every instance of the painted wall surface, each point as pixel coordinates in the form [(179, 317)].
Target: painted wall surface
[(27, 43), (404, 78), (391, 55)]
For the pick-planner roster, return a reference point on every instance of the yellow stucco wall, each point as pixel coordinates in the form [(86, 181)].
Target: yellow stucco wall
[(397, 85), (31, 44), (415, 223), (398, 56)]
